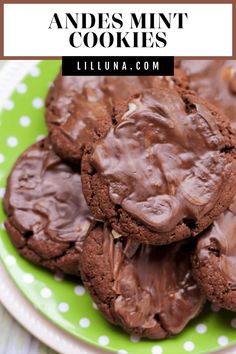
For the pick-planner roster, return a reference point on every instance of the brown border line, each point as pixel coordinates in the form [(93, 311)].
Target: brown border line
[(1, 29), (118, 2), (234, 29), (233, 2)]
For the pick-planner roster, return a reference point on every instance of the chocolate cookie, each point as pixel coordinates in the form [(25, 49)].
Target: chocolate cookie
[(48, 217), (147, 290), (214, 80), (164, 170), (214, 261), (79, 106)]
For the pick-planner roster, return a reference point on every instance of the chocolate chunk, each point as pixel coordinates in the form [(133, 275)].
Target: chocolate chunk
[(147, 290), (214, 80), (165, 170), (79, 106), (48, 217), (214, 261)]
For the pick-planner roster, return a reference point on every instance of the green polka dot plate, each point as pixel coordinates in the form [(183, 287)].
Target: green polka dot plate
[(62, 301)]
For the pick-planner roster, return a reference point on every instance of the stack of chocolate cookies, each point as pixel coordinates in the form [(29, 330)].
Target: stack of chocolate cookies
[(133, 190)]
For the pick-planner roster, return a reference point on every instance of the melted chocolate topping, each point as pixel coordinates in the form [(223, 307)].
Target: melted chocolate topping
[(221, 240), (45, 198), (152, 284), (214, 80), (80, 102), (163, 160)]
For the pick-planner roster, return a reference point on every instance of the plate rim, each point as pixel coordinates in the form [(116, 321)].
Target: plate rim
[(36, 323)]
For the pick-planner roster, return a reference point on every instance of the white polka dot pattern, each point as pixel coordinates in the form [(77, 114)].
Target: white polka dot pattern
[(134, 339), (63, 307), (84, 322), (37, 103), (201, 328), (10, 260), (58, 277), (46, 293), (2, 158), (28, 278), (95, 306), (157, 349), (103, 340), (24, 121), (40, 137), (12, 141), (8, 105), (2, 192), (189, 346), (35, 72), (21, 88), (79, 290), (223, 341), (215, 308)]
